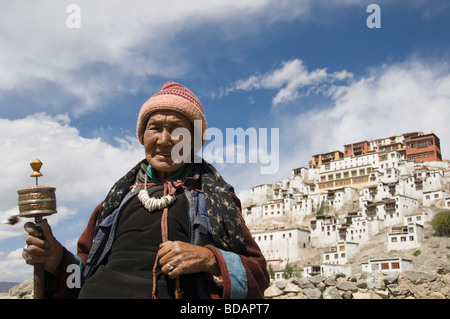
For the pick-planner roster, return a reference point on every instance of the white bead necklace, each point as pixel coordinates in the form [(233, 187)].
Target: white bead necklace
[(151, 203)]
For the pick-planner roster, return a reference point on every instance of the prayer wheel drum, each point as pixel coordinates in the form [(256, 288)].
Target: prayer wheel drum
[(37, 201)]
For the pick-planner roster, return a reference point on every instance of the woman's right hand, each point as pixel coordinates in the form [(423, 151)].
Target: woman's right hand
[(42, 247)]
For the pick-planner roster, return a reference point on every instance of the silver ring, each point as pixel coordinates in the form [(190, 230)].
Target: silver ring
[(170, 267)]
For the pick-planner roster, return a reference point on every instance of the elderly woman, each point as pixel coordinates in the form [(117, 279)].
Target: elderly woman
[(167, 228)]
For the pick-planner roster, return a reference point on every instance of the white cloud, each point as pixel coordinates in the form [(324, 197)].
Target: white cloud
[(392, 99), (292, 80), (118, 45), (81, 169), (14, 268)]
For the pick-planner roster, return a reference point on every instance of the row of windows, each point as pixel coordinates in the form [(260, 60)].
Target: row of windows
[(394, 265), (270, 237), (421, 155), (336, 256), (347, 174), (402, 239)]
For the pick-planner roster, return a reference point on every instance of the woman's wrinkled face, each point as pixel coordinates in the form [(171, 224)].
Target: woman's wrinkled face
[(158, 142)]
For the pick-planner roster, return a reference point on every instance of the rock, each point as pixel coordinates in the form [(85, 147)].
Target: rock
[(436, 295), (361, 284), (304, 283), (331, 292), (330, 281), (312, 293), (315, 280), (272, 291), (23, 290), (346, 285), (361, 295), (417, 277), (391, 278), (281, 284), (291, 287), (384, 294), (375, 280)]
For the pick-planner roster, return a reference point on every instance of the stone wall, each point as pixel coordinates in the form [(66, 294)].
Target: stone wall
[(376, 285)]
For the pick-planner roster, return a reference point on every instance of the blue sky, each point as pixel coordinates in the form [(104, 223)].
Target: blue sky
[(312, 69)]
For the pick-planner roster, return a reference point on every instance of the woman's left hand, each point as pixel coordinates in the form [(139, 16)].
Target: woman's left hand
[(186, 258)]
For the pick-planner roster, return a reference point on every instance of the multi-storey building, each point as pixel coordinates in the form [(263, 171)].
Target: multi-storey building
[(423, 148), (373, 182), (405, 237), (282, 244)]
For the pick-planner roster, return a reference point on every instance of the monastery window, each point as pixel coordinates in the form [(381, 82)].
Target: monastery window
[(393, 239), (403, 238), (362, 171), (338, 175), (278, 205), (436, 195), (271, 237), (327, 257), (322, 178), (411, 229), (336, 256), (341, 248), (395, 265), (385, 266), (345, 174), (427, 197), (272, 206), (342, 255), (284, 236), (375, 266), (354, 173), (418, 218), (411, 238), (265, 237), (330, 177)]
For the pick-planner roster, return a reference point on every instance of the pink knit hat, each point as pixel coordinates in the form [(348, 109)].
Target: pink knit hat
[(172, 97)]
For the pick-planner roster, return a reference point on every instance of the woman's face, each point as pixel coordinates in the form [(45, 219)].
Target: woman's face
[(158, 142)]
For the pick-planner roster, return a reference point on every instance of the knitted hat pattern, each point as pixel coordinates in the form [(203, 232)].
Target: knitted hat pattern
[(172, 97)]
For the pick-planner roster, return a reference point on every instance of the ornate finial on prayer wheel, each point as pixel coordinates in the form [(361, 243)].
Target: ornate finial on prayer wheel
[(37, 201), (36, 165)]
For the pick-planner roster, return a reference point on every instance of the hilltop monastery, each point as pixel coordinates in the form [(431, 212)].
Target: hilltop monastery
[(342, 199)]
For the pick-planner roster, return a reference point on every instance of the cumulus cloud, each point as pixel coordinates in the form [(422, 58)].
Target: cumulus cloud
[(410, 96), (392, 99), (292, 80), (81, 169), (117, 46)]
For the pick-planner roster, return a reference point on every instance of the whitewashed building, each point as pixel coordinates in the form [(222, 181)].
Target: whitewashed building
[(324, 231), (396, 264), (282, 244), (326, 270), (405, 237), (340, 254)]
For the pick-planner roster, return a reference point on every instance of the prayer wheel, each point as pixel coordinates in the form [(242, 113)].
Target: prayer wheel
[(37, 202)]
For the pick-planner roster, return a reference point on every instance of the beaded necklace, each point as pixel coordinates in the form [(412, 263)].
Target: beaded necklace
[(151, 203)]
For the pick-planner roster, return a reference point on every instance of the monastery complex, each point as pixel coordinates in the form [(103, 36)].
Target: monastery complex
[(342, 199)]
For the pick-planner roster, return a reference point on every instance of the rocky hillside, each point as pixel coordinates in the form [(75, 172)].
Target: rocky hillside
[(376, 285)]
